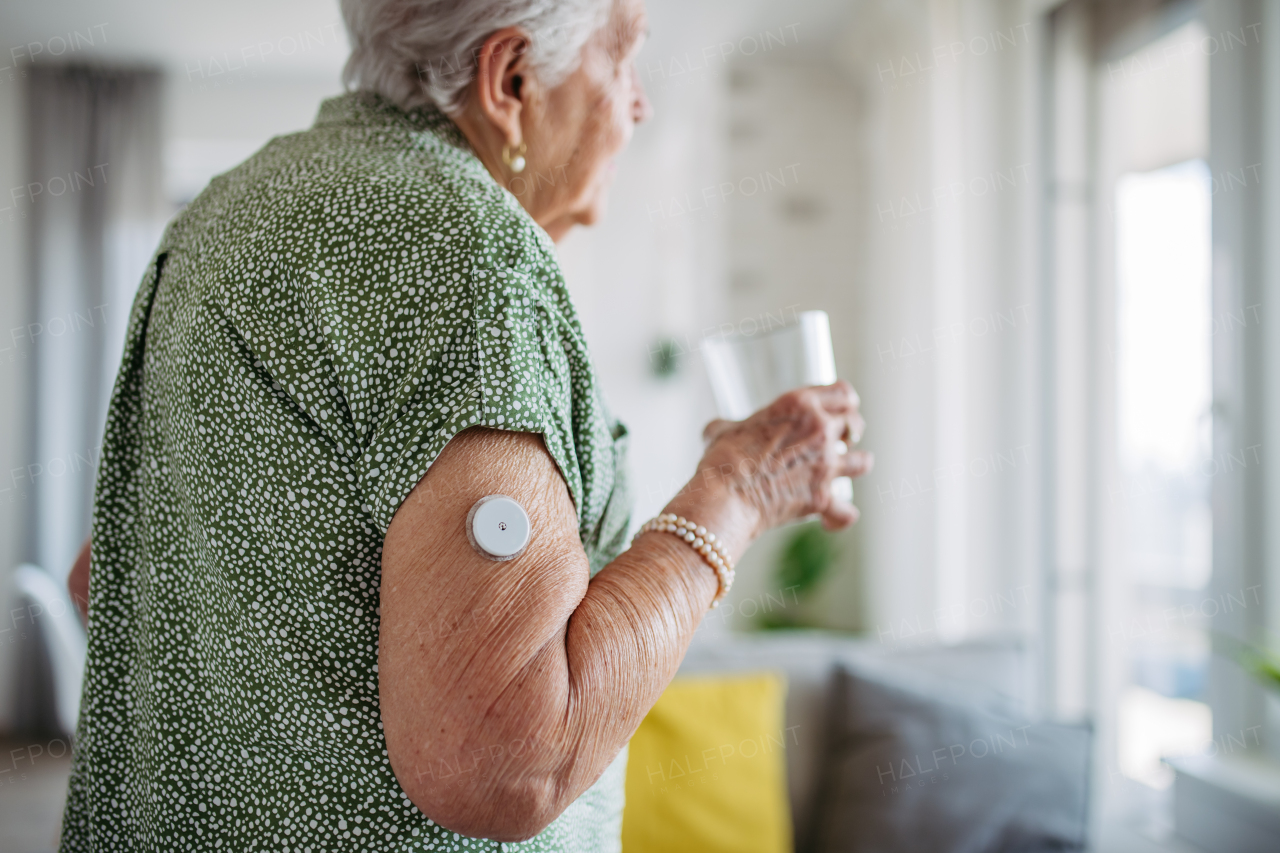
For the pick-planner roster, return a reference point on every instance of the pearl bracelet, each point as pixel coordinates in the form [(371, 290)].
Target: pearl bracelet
[(702, 541)]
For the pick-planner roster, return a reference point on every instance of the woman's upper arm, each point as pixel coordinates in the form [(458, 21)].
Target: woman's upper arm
[(472, 663)]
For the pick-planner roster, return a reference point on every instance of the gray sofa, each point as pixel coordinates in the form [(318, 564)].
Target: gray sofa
[(856, 707)]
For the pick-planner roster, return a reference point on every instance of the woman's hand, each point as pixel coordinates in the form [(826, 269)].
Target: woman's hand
[(779, 463), (78, 582)]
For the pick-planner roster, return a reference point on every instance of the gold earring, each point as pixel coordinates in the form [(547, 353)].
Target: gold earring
[(515, 162)]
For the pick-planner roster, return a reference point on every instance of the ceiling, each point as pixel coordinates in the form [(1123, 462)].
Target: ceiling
[(279, 38), (305, 38)]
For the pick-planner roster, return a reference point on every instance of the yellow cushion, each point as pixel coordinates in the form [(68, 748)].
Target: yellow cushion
[(707, 769)]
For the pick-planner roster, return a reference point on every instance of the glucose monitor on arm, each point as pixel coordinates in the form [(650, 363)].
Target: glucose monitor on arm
[(498, 527)]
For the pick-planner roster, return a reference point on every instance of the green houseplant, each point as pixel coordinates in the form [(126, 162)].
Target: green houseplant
[(1262, 663), (805, 559)]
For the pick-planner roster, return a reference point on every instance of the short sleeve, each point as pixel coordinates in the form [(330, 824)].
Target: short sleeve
[(501, 361)]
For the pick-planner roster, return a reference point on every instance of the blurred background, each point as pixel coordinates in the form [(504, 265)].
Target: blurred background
[(1047, 235)]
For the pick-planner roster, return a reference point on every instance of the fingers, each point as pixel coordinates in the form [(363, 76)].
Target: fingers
[(839, 402), (838, 397), (845, 430), (835, 404), (854, 429), (798, 445), (855, 463), (714, 428), (839, 515)]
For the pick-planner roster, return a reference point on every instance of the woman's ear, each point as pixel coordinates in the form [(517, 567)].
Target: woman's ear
[(501, 80)]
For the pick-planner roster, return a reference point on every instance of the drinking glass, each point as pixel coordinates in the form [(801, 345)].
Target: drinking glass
[(748, 372)]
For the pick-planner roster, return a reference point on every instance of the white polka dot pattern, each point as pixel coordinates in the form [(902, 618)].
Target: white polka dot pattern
[(316, 326)]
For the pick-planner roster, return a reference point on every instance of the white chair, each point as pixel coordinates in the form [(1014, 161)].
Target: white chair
[(50, 607)]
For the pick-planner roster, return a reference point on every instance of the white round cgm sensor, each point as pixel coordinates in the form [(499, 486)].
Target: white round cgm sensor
[(498, 527)]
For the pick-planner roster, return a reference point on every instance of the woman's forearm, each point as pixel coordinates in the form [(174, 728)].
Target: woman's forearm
[(641, 611), (579, 699)]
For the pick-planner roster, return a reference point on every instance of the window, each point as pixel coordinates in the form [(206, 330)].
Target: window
[(1165, 462)]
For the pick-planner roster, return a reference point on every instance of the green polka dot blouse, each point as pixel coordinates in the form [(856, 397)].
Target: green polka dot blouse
[(314, 328)]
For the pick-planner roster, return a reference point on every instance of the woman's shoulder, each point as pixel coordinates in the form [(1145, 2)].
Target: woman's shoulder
[(363, 229), (423, 192), (373, 200)]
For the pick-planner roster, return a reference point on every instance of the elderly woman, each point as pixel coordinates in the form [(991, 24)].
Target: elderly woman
[(341, 346)]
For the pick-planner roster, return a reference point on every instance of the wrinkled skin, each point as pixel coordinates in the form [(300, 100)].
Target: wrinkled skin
[(573, 132), (474, 661)]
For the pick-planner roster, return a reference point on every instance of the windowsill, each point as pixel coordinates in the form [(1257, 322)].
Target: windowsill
[(1228, 803)]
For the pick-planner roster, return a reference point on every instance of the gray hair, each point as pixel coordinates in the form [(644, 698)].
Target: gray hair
[(419, 52)]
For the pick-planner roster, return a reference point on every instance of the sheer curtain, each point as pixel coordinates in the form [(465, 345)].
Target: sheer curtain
[(98, 208)]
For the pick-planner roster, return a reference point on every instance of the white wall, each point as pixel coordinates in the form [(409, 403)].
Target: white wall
[(913, 225), (1244, 85), (210, 127)]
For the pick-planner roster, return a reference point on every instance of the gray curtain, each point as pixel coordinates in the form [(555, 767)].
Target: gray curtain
[(94, 137), (96, 198)]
